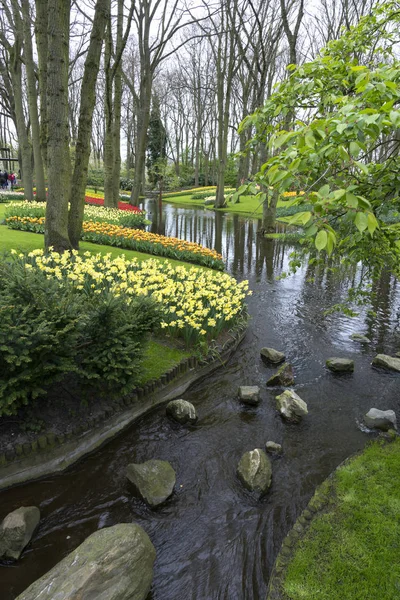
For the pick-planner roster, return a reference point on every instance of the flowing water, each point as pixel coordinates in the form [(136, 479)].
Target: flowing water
[(214, 540)]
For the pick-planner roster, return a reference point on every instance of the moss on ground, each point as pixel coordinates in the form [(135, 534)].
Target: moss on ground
[(351, 549)]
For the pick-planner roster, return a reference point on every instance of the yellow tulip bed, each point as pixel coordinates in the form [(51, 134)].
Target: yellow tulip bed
[(133, 239), (195, 304)]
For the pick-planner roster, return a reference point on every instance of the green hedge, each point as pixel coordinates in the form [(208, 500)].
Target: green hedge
[(49, 329)]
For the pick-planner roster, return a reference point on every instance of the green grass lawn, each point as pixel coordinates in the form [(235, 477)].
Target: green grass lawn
[(351, 551), (159, 358), (247, 207)]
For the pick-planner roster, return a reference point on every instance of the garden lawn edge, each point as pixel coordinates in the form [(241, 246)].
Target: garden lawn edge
[(323, 501), (50, 454)]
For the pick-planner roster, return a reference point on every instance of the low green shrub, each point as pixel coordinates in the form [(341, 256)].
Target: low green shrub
[(49, 328)]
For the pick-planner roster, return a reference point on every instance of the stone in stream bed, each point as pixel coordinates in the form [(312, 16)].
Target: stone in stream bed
[(182, 411), (387, 362), (271, 355), (381, 419), (249, 394), (340, 365), (284, 376), (273, 448), (16, 531), (291, 406), (360, 337), (154, 480), (114, 563), (254, 471)]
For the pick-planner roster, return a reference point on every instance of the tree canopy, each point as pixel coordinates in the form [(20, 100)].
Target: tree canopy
[(332, 129)]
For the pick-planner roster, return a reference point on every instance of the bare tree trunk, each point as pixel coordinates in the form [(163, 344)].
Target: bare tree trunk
[(108, 113), (23, 140), (88, 99), (117, 107), (56, 228), (42, 50), (32, 102), (143, 119), (269, 212)]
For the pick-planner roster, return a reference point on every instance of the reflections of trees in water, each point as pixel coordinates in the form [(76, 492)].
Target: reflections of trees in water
[(249, 255)]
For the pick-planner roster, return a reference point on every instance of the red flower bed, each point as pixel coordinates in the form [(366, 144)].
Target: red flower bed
[(121, 205)]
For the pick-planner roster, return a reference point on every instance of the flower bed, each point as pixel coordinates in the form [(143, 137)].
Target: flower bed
[(92, 213), (196, 304), (99, 201), (133, 239)]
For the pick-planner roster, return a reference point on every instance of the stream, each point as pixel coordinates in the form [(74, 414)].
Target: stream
[(214, 540)]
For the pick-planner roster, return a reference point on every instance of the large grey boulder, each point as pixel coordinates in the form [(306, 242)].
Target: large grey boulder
[(381, 419), (340, 365), (154, 480), (291, 406), (249, 394), (284, 376), (271, 355), (360, 337), (254, 471), (115, 563), (17, 530), (387, 362), (181, 411)]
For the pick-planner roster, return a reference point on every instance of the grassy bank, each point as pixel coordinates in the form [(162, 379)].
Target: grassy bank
[(351, 549)]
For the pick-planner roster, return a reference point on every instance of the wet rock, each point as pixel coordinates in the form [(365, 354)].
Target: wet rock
[(17, 530), (181, 411), (381, 419), (340, 365), (115, 563), (387, 362), (249, 394), (254, 471), (284, 376), (271, 355), (154, 480), (359, 337), (291, 406), (273, 448)]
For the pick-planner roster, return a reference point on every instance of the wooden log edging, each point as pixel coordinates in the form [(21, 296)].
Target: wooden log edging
[(50, 453)]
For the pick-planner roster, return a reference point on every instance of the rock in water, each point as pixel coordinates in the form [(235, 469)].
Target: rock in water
[(387, 362), (255, 471), (340, 365), (271, 355), (284, 376), (291, 406), (154, 480), (17, 530), (249, 394), (381, 419), (182, 411), (273, 448), (359, 337), (115, 563)]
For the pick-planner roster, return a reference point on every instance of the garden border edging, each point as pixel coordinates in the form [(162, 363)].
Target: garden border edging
[(50, 454)]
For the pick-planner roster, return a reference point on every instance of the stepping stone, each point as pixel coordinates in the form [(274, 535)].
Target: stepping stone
[(359, 337), (381, 419), (154, 480), (182, 411), (284, 376), (340, 365), (249, 394), (254, 471), (387, 362), (16, 531), (291, 406), (273, 448), (271, 355)]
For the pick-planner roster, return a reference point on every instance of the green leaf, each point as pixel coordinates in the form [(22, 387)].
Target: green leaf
[(309, 139), (321, 240), (372, 223), (324, 191), (330, 242), (351, 200), (361, 221)]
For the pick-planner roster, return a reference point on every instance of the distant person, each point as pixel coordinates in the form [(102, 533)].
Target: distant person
[(2, 180), (5, 176), (13, 180)]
